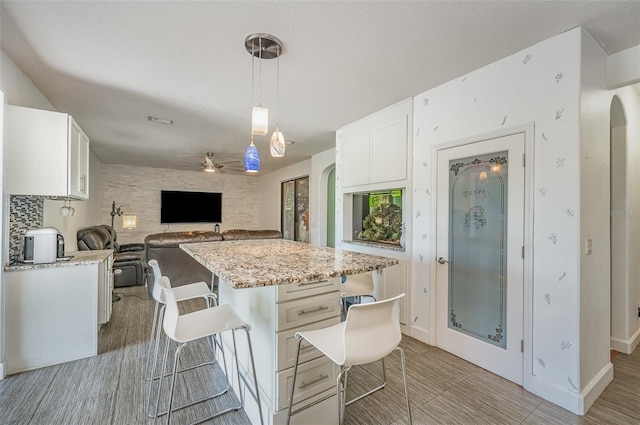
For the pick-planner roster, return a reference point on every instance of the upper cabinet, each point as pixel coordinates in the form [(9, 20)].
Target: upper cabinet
[(374, 149), (48, 154)]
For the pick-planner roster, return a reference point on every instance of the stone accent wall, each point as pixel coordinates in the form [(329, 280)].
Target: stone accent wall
[(25, 213), (139, 189)]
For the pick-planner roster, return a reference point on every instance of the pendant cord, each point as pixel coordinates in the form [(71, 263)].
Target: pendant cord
[(253, 75), (278, 89), (260, 69)]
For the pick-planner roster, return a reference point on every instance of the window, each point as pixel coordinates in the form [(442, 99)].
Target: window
[(295, 210)]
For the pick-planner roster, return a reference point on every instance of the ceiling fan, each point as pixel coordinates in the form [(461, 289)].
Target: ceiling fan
[(211, 166)]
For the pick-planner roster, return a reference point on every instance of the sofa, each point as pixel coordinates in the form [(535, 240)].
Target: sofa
[(128, 261), (178, 266)]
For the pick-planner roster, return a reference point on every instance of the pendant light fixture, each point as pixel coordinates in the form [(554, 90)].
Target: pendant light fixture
[(276, 145), (251, 158), (262, 46)]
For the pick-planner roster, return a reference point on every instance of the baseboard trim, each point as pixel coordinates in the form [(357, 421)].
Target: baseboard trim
[(2, 369), (597, 385), (421, 334), (574, 402), (628, 346)]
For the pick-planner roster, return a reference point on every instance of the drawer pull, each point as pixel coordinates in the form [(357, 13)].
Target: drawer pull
[(312, 283), (313, 381), (313, 310)]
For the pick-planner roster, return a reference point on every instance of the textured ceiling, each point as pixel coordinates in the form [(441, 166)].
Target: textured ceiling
[(112, 64)]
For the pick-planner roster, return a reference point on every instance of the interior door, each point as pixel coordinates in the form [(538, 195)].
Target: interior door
[(480, 234)]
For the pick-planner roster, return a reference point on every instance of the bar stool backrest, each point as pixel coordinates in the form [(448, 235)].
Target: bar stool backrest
[(157, 289), (171, 314), (372, 331)]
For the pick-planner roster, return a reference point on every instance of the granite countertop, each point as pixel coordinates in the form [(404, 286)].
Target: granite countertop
[(268, 262), (78, 258)]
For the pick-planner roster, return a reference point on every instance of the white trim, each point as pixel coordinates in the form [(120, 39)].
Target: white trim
[(594, 388), (577, 403), (628, 346), (2, 368), (421, 334)]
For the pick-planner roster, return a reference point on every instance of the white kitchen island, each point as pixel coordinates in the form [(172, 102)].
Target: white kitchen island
[(280, 287)]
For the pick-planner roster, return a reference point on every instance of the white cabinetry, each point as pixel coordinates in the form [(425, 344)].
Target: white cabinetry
[(52, 312), (48, 154), (105, 290), (275, 314), (392, 281), (374, 149)]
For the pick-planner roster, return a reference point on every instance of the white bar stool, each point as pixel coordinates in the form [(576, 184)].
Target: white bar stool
[(181, 293), (356, 286), (196, 325), (369, 333)]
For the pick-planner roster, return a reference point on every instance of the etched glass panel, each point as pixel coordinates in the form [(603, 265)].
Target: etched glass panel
[(477, 247)]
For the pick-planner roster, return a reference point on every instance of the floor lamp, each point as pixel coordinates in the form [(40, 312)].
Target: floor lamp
[(114, 212)]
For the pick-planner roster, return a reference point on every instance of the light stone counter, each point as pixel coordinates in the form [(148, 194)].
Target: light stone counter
[(78, 258), (268, 262)]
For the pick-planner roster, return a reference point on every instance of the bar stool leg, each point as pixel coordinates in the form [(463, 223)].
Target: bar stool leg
[(173, 380), (235, 350), (295, 374), (255, 378), (155, 359), (406, 387), (147, 375), (161, 379)]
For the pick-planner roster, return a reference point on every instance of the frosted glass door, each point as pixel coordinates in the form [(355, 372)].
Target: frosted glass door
[(477, 240), (479, 253)]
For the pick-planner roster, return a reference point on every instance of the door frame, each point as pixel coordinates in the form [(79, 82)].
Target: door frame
[(527, 309)]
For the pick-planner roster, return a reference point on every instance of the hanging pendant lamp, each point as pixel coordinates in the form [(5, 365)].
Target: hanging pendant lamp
[(251, 158), (276, 144)]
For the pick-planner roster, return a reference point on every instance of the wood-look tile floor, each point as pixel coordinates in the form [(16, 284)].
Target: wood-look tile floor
[(109, 388)]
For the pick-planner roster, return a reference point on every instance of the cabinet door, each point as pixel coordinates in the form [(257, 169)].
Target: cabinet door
[(84, 165), (78, 151), (389, 151), (355, 160), (391, 282)]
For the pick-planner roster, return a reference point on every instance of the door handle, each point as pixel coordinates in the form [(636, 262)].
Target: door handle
[(441, 260)]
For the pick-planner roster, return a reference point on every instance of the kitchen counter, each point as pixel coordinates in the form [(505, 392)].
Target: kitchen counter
[(269, 262), (78, 258)]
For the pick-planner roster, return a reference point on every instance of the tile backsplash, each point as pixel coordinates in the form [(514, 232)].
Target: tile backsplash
[(25, 212)]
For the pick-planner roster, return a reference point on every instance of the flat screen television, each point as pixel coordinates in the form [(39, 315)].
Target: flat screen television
[(190, 207)]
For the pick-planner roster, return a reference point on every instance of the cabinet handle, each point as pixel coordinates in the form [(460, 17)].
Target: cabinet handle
[(81, 184), (313, 381), (313, 310), (312, 283)]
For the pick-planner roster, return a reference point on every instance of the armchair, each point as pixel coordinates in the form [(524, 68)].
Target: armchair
[(128, 263)]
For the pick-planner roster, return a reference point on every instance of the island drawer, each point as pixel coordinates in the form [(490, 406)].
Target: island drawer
[(301, 312), (313, 377), (294, 291), (288, 345)]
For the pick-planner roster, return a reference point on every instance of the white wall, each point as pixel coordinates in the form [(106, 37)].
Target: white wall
[(594, 315), (18, 90), (623, 68), (139, 188), (269, 188), (625, 329), (539, 85)]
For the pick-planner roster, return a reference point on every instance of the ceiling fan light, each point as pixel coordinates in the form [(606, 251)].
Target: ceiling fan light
[(259, 121), (252, 159), (277, 145), (209, 168)]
